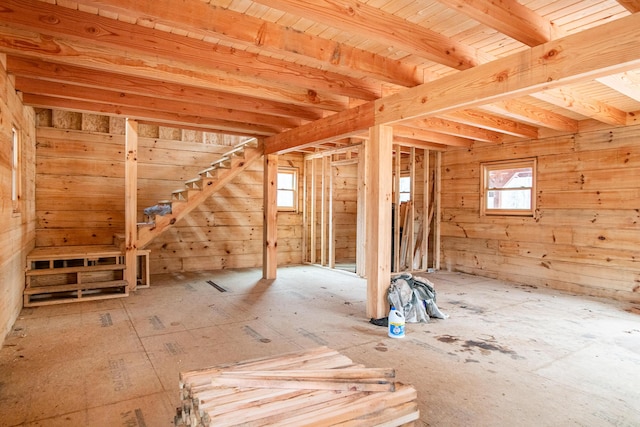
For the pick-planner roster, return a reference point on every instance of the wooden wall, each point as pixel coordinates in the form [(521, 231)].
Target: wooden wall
[(17, 233), (585, 237), (80, 194)]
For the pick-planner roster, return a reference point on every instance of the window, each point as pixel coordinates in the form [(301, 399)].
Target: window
[(15, 170), (405, 188), (287, 198), (508, 188)]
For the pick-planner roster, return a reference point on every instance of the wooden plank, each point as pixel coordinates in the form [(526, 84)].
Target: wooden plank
[(270, 224), (361, 213)]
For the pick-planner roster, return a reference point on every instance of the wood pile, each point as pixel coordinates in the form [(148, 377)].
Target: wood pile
[(319, 387)]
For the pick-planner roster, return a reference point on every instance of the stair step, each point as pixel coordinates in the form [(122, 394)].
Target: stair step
[(223, 162), (237, 151), (194, 184), (211, 172)]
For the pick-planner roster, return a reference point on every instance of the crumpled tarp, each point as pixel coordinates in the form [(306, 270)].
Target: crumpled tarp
[(416, 297)]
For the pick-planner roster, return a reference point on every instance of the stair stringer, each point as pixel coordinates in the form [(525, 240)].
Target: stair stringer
[(179, 209)]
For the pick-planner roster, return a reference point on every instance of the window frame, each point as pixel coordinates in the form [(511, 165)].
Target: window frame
[(289, 171), (487, 167), (16, 173)]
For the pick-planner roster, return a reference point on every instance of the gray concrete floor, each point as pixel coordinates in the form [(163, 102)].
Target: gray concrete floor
[(508, 355)]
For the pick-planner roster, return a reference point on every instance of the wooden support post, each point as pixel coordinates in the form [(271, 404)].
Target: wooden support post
[(131, 204), (270, 223), (379, 183), (312, 238), (361, 233), (396, 208), (305, 210), (332, 223), (426, 210), (323, 213), (437, 201)]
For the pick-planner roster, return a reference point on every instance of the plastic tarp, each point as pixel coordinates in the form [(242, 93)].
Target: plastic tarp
[(416, 297)]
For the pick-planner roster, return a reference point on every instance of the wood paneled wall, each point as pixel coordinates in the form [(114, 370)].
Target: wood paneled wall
[(17, 233), (80, 197), (585, 236)]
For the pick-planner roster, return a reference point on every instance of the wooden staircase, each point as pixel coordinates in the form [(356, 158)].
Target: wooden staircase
[(197, 190)]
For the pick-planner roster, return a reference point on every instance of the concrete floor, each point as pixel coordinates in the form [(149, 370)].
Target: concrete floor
[(508, 355)]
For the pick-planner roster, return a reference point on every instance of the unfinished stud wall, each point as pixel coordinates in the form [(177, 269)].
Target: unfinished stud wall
[(585, 235), (80, 194), (17, 234)]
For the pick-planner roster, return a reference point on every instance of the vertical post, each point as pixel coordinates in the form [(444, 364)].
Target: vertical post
[(396, 208), (332, 231), (323, 213), (361, 233), (437, 201), (426, 210), (313, 214), (378, 250), (131, 204), (411, 243), (305, 211), (270, 223)]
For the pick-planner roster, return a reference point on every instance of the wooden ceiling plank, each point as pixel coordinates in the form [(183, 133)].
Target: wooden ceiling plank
[(494, 123), (508, 17), (209, 20), (65, 73), (533, 115), (359, 18), (68, 23), (588, 107), (206, 123), (76, 92), (627, 84), (27, 44)]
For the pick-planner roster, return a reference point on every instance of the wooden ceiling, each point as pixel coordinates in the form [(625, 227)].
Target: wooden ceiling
[(312, 74)]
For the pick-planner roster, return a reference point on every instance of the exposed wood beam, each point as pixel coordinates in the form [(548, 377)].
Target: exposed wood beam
[(359, 18), (599, 51), (588, 107), (27, 44), (76, 92), (461, 130), (571, 59), (627, 84), (270, 220), (533, 115), (131, 203), (58, 72), (508, 17), (350, 122), (199, 17), (410, 142), (494, 123), (105, 32), (430, 136), (632, 6), (168, 119)]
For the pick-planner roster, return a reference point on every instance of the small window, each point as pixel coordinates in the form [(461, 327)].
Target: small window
[(15, 170), (405, 189), (287, 189), (508, 188)]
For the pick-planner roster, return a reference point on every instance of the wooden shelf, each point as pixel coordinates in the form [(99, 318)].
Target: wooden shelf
[(57, 275)]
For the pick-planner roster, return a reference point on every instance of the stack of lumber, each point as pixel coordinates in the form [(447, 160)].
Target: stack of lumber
[(317, 387)]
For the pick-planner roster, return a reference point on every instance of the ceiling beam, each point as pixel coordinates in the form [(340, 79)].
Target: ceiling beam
[(359, 18), (164, 46), (428, 135), (27, 44), (450, 127), (198, 17), (632, 6), (142, 114), (64, 73), (508, 17), (83, 93), (604, 50), (533, 115), (494, 123), (587, 106)]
